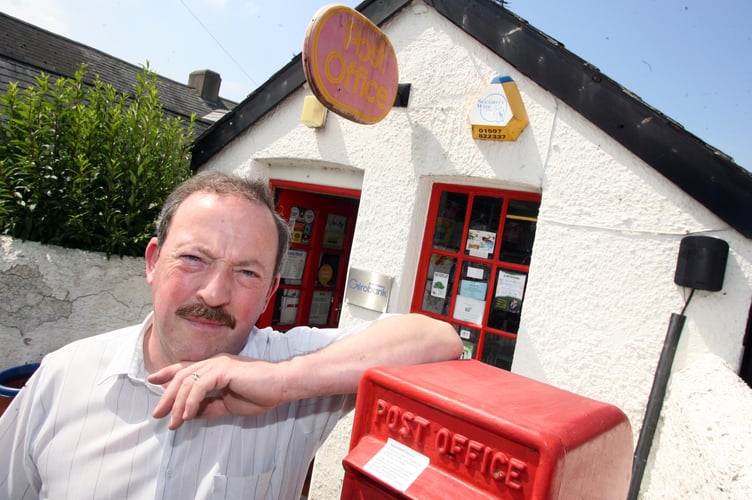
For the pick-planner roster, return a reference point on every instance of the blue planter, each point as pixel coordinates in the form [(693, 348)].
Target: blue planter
[(18, 374)]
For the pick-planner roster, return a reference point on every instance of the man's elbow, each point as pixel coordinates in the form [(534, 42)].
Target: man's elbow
[(447, 343)]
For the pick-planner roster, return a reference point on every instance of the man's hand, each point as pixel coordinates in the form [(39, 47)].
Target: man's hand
[(234, 385), (219, 386)]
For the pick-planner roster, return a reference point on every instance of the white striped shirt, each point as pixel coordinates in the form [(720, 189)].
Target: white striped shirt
[(82, 428)]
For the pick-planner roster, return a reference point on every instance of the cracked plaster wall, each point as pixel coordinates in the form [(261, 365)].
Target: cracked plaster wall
[(50, 296)]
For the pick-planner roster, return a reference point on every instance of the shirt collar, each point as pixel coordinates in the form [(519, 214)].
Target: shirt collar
[(128, 359)]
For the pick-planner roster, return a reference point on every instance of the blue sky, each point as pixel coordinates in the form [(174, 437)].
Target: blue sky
[(691, 60)]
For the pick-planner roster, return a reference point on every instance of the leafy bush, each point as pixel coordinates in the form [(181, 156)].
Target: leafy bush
[(83, 166)]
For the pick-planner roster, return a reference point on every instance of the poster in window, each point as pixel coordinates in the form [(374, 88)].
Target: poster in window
[(294, 264), (320, 303), (480, 243), (440, 285), (469, 310), (327, 271), (468, 350), (469, 342), (301, 225), (334, 232), (510, 287), (476, 273), (473, 289), (433, 304), (288, 306)]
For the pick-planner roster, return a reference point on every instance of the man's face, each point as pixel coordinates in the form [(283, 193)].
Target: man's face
[(212, 278)]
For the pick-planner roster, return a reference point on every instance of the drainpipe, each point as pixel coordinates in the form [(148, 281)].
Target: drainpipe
[(655, 402), (701, 265)]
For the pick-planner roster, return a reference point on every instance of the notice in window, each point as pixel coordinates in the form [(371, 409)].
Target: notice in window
[(288, 307), (468, 350), (510, 288), (292, 268), (320, 303), (480, 243), (475, 273), (469, 309), (334, 234), (301, 225), (440, 285), (473, 289)]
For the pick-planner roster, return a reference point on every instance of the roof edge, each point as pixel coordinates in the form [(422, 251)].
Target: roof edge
[(703, 172)]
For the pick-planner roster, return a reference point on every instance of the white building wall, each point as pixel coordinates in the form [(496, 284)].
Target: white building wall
[(600, 290)]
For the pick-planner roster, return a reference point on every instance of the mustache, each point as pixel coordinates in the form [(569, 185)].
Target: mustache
[(198, 310)]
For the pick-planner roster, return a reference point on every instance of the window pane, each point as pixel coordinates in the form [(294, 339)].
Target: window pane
[(326, 275), (484, 223), (469, 338), (438, 288), (476, 272), (507, 301), (450, 221), (470, 303), (320, 305), (498, 351), (286, 307), (519, 232), (293, 267)]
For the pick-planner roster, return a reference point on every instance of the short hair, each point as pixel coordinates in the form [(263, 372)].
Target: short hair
[(254, 190)]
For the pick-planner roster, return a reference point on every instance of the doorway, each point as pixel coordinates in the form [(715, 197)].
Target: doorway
[(322, 224)]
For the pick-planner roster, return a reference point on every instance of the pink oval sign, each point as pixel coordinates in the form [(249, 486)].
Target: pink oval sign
[(350, 64)]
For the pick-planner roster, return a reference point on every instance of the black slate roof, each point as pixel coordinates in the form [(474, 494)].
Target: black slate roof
[(703, 172), (26, 50)]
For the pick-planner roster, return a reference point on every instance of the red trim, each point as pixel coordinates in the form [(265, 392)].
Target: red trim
[(461, 258), (322, 200), (315, 188)]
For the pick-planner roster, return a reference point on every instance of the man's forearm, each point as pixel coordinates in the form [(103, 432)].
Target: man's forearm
[(393, 341), (235, 385)]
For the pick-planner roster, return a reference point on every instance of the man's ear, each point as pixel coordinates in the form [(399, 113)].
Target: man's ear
[(151, 255)]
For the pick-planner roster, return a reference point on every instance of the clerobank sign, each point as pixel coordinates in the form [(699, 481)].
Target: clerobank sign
[(368, 289), (350, 64)]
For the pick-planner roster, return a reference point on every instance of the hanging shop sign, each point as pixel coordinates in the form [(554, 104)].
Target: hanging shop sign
[(368, 289), (350, 64), (499, 114)]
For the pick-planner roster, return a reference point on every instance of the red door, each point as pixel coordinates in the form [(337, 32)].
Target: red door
[(313, 276)]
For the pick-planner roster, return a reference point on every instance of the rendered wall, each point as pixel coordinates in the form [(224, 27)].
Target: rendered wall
[(600, 291), (50, 296)]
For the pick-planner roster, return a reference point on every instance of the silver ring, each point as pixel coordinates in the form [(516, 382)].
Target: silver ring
[(195, 376)]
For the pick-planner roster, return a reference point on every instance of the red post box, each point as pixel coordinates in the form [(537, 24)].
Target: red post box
[(466, 430)]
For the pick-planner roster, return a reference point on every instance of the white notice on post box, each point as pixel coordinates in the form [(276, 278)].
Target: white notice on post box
[(397, 465)]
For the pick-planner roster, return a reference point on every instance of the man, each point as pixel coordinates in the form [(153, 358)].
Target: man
[(89, 423)]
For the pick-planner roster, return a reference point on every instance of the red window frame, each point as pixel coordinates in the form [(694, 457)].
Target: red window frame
[(322, 199), (462, 260)]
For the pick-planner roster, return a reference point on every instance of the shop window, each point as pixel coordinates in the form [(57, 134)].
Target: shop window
[(312, 279), (474, 265)]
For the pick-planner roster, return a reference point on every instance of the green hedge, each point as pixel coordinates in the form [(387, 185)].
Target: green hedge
[(83, 166)]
